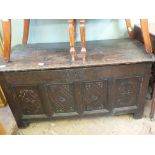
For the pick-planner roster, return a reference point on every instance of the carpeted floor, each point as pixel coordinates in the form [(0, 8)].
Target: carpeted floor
[(104, 125)]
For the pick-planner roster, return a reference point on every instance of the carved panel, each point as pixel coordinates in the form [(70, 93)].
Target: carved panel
[(29, 99), (62, 97), (127, 90), (95, 95)]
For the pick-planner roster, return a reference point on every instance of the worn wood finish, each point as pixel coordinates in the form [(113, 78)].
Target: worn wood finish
[(26, 31), (83, 40), (6, 25), (129, 28), (146, 37), (55, 55), (72, 32), (112, 81), (138, 36)]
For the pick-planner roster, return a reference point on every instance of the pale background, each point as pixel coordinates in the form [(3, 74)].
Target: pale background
[(56, 30), (53, 30)]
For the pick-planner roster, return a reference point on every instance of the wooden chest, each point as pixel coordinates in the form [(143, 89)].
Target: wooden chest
[(42, 83)]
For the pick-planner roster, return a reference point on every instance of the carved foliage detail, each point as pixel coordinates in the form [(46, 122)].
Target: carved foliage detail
[(29, 99), (95, 95), (127, 91), (62, 97)]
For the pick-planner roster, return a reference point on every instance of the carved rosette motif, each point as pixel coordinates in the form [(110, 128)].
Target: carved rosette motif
[(127, 90), (62, 97), (95, 95), (29, 100)]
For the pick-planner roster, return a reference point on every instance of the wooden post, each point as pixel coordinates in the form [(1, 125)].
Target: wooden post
[(83, 41), (72, 38), (2, 130), (26, 31), (74, 24), (2, 98), (146, 35), (129, 28), (1, 45), (6, 25)]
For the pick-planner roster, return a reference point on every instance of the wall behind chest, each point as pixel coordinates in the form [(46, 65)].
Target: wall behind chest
[(56, 30)]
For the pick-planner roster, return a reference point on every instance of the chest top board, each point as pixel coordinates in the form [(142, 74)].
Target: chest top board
[(55, 55)]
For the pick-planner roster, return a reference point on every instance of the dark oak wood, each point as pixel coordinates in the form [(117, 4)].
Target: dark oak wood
[(152, 113), (6, 25), (138, 36), (41, 82), (26, 31)]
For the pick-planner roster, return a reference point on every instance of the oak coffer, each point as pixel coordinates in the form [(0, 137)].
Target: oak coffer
[(41, 82)]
